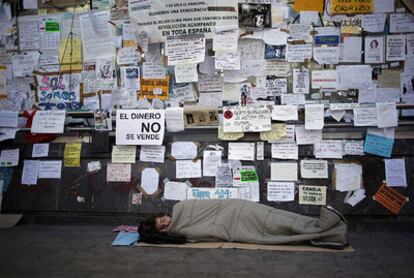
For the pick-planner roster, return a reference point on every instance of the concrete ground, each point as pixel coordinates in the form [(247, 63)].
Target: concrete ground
[(32, 250)]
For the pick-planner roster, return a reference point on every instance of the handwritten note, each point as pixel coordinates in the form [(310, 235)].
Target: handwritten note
[(174, 119), (307, 137), (301, 82), (248, 119), (40, 150), (390, 198), (149, 180), (185, 49), (314, 116), (280, 191), (9, 158), (353, 147), (72, 154), (365, 116), (312, 195), (50, 169), (328, 149), (48, 122), (241, 151), (118, 172), (314, 169), (184, 150), (211, 162), (8, 119), (176, 191), (187, 169), (387, 114), (378, 145), (224, 177), (124, 154), (285, 151)]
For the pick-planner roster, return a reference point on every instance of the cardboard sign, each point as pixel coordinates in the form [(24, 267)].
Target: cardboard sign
[(390, 198), (140, 127), (155, 88), (352, 6)]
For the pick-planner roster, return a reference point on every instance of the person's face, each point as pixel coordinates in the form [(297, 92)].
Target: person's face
[(162, 223), (278, 52), (259, 20)]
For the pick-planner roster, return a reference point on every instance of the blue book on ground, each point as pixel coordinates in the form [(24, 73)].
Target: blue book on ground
[(125, 239)]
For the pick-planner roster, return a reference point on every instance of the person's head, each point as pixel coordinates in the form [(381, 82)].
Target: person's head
[(278, 52), (259, 19), (373, 44), (154, 230), (162, 222)]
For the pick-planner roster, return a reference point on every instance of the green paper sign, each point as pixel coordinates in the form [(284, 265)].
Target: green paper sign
[(52, 26), (248, 176)]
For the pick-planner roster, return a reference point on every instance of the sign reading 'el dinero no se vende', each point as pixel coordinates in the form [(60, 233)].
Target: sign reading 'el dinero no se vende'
[(140, 127)]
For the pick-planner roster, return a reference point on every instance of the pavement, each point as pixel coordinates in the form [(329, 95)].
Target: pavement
[(382, 249)]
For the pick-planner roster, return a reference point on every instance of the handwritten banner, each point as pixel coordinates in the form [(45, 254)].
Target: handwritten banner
[(58, 91), (390, 198), (352, 6)]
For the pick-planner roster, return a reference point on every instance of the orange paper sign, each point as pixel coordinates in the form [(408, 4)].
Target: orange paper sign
[(308, 5), (155, 88), (390, 198)]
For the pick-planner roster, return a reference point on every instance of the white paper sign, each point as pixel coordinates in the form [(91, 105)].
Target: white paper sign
[(185, 169), (301, 81), (401, 23), (314, 116), (387, 114), (374, 50), (8, 119), (285, 151), (348, 176), (395, 172), (152, 154), (285, 113), (185, 49), (149, 180), (30, 172), (284, 171), (323, 79), (211, 162), (395, 48), (140, 127), (307, 137), (176, 191), (184, 150), (40, 150), (280, 191), (175, 119), (9, 158), (314, 169), (51, 121), (118, 172), (326, 55), (299, 52), (365, 116), (328, 149), (354, 147), (241, 151), (50, 169)]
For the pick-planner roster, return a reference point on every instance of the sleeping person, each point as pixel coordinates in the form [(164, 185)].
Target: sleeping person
[(243, 221)]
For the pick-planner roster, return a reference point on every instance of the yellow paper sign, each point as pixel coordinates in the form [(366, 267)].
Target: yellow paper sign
[(72, 154), (352, 6), (71, 54), (308, 5), (229, 136), (278, 132), (155, 88)]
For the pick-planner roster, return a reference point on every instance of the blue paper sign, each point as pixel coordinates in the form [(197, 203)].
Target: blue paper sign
[(329, 39), (378, 145)]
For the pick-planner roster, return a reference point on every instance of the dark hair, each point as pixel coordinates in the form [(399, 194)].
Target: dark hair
[(148, 233)]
